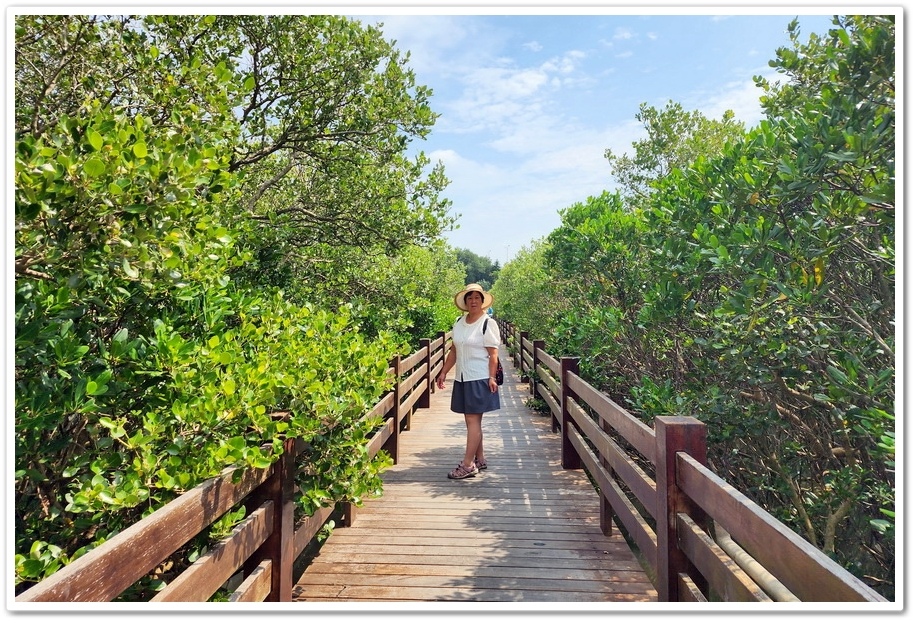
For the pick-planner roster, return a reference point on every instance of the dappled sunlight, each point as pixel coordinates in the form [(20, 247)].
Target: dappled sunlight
[(525, 529)]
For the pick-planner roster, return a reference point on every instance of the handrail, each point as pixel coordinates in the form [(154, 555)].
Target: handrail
[(257, 557), (804, 570), (701, 539), (90, 577)]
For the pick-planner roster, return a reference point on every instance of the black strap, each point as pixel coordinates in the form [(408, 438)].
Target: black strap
[(484, 324)]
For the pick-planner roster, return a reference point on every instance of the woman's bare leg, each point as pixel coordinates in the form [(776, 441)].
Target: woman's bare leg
[(474, 446)]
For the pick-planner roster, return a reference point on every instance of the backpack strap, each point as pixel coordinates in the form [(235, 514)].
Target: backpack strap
[(484, 324)]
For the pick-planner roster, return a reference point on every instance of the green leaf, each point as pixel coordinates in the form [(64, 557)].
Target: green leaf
[(129, 270), (95, 139), (837, 375), (95, 389), (121, 335), (94, 167)]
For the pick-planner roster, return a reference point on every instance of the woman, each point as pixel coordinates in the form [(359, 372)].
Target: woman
[(474, 355)]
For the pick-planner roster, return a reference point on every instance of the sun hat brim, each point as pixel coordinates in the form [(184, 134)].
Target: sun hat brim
[(472, 287)]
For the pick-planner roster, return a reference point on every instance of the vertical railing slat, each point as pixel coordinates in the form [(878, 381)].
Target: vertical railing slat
[(533, 377), (569, 457), (672, 435)]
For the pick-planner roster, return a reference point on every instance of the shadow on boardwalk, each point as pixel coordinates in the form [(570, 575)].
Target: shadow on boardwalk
[(524, 530)]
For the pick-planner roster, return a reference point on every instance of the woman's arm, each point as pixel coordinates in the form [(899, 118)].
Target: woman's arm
[(449, 363), (493, 362)]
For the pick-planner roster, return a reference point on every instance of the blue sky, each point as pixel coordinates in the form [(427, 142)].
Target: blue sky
[(529, 103)]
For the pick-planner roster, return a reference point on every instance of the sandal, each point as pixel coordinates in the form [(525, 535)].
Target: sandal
[(480, 465), (461, 472)]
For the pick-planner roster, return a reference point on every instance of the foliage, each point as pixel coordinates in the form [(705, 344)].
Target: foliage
[(675, 138), (479, 269), (333, 198), (157, 163), (597, 256), (753, 287), (523, 291)]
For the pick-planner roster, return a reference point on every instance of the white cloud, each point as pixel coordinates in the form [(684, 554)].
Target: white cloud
[(741, 96), (524, 126), (513, 205), (441, 44), (565, 64)]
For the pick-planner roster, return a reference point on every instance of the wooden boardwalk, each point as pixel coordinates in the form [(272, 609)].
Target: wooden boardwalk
[(525, 530)]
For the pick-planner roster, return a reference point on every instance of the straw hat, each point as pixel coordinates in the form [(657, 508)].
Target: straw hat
[(473, 287)]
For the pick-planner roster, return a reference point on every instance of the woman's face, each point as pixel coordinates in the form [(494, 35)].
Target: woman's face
[(474, 301)]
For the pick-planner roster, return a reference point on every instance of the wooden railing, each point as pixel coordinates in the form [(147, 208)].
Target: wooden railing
[(700, 538), (257, 559)]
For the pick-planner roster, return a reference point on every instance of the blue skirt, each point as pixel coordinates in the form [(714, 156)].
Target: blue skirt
[(474, 397)]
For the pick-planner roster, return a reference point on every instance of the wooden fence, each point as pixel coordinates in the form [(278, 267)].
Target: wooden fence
[(258, 557), (701, 539)]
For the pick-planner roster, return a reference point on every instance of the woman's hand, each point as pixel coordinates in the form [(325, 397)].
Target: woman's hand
[(493, 385), (440, 381)]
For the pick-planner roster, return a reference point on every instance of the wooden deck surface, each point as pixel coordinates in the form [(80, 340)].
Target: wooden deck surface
[(524, 530)]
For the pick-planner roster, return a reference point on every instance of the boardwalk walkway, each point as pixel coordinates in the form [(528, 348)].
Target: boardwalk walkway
[(523, 530)]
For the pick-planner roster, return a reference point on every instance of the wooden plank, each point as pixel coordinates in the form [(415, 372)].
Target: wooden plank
[(611, 568), (306, 592), (408, 404), (726, 579), (552, 363), (410, 362), (309, 527), (688, 591), (626, 515), (633, 476), (479, 581), (548, 381), (639, 435), (256, 587), (105, 572), (523, 530), (801, 567), (204, 577), (357, 573)]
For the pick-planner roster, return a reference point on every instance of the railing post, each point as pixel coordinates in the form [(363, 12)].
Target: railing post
[(533, 384), (522, 336), (674, 434), (515, 345), (392, 446), (423, 400), (569, 458), (279, 546), (513, 331), (606, 511), (432, 376)]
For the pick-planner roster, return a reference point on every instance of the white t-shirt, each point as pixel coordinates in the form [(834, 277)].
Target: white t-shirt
[(470, 343)]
